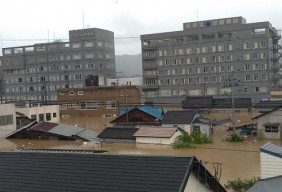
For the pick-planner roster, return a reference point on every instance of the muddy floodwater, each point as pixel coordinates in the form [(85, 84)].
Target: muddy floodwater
[(237, 159)]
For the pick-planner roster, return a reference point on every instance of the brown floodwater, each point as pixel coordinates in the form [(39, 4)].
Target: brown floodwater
[(237, 159)]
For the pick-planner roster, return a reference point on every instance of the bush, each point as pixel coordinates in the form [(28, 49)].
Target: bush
[(235, 138), (239, 185), (186, 141)]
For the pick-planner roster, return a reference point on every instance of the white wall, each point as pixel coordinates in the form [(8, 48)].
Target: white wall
[(155, 140), (204, 128), (271, 166), (41, 110), (125, 81), (7, 109), (193, 185)]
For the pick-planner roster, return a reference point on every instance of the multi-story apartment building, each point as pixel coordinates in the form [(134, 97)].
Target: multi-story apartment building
[(212, 58), (35, 72)]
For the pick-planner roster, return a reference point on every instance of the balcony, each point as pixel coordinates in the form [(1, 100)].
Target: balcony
[(150, 57), (149, 47)]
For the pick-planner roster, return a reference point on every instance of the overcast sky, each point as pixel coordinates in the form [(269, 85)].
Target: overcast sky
[(25, 22)]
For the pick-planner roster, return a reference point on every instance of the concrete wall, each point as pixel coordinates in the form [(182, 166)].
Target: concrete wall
[(155, 140), (42, 110), (271, 166), (5, 110)]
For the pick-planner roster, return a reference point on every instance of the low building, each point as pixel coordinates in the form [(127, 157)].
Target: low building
[(157, 135), (49, 113), (270, 160), (125, 81), (265, 106), (118, 134), (202, 125), (141, 114), (269, 124), (70, 171), (7, 119), (47, 130), (97, 101)]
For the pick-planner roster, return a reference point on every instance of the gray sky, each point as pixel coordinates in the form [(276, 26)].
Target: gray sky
[(25, 22)]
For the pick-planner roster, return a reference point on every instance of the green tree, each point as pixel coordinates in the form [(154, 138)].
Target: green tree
[(239, 185)]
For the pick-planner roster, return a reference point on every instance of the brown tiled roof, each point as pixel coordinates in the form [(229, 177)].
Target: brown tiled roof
[(43, 126), (148, 131)]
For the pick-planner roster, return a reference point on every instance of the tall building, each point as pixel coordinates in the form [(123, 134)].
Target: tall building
[(35, 72), (211, 58)]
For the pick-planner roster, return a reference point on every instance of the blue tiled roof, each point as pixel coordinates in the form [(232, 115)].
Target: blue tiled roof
[(154, 111)]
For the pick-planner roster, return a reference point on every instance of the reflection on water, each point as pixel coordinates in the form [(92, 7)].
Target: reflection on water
[(238, 159)]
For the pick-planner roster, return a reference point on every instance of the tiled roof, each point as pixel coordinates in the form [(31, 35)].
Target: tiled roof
[(43, 126), (268, 104), (160, 132), (66, 130), (202, 120), (197, 102), (77, 172), (273, 184), (227, 103), (118, 133), (179, 117), (266, 113), (272, 149)]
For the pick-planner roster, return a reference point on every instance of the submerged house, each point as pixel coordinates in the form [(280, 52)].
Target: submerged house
[(269, 124), (78, 171), (188, 121), (157, 135), (142, 114), (48, 130)]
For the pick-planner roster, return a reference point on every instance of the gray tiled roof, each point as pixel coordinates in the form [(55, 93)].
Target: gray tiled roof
[(118, 133), (71, 172), (66, 130), (273, 184), (178, 117), (272, 149)]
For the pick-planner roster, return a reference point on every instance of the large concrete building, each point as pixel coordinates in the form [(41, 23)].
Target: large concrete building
[(35, 72), (212, 58)]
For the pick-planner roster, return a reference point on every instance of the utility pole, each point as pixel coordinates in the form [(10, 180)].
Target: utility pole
[(232, 101)]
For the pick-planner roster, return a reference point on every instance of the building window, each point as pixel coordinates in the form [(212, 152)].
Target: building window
[(271, 129), (33, 117), (48, 116), (76, 45), (54, 115), (246, 56), (110, 104), (6, 120), (71, 93), (41, 117), (247, 77), (188, 51), (80, 92)]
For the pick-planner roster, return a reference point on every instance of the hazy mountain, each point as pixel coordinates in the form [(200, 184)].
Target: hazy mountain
[(128, 65)]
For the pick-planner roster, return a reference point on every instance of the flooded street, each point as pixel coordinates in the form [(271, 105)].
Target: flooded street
[(238, 159)]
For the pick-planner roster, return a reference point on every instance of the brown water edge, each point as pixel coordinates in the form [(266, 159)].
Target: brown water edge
[(238, 159)]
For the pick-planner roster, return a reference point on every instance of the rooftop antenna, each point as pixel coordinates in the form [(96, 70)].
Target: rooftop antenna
[(82, 20)]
